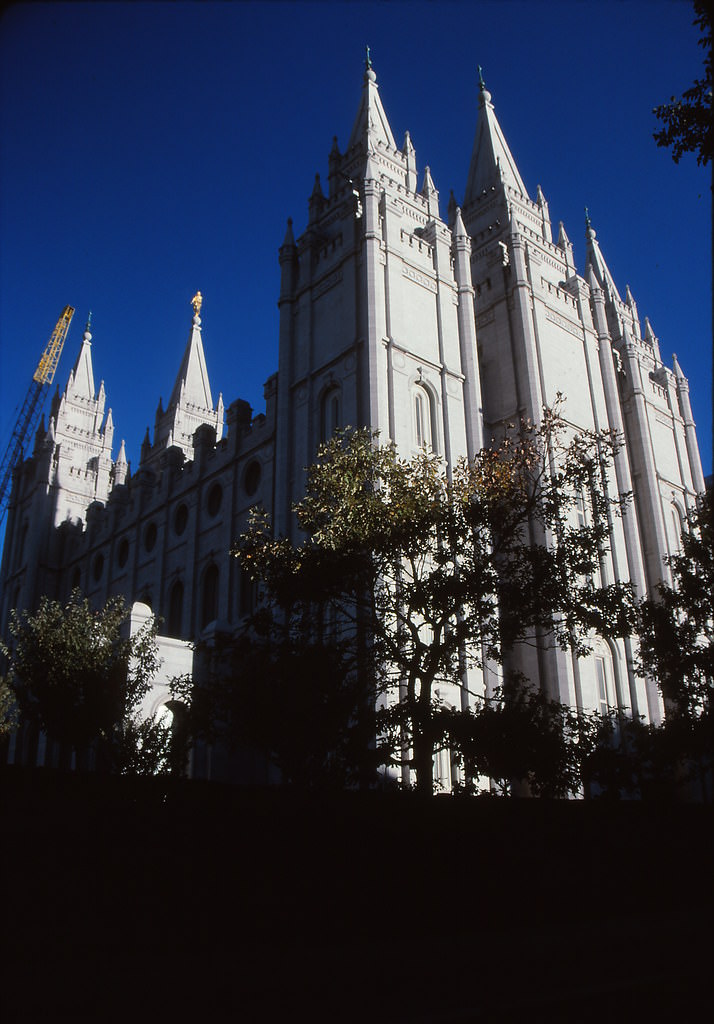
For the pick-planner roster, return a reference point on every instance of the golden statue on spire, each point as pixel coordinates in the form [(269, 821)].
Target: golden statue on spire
[(196, 303)]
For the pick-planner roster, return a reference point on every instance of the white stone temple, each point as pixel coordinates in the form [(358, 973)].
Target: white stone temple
[(434, 323)]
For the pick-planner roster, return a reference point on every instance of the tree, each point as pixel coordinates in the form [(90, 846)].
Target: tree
[(688, 121), (676, 634), (525, 738), (427, 571), (8, 709), (278, 688), (82, 681)]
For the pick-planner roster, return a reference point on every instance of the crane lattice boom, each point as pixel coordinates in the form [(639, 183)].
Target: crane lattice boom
[(28, 419)]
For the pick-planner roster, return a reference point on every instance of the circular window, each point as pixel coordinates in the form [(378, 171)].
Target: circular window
[(150, 536), (123, 555), (180, 519), (98, 567), (215, 497), (251, 481)]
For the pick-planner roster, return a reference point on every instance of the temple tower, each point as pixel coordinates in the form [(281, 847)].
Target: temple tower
[(376, 310)]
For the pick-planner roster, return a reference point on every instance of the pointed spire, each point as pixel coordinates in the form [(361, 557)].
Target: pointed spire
[(594, 258), (289, 240), (566, 245), (428, 190), (409, 154), (491, 159), (316, 202), (120, 467), (371, 119), (451, 209), (191, 383), (459, 231), (82, 377), (678, 373), (651, 339), (591, 279), (40, 435), (544, 215), (334, 180), (145, 447)]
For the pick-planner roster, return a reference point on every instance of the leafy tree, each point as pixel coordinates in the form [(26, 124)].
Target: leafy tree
[(426, 571), (82, 681), (677, 625), (676, 633), (8, 708), (688, 121), (278, 688), (523, 737)]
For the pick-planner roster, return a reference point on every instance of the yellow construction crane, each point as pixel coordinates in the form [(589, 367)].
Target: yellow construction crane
[(28, 419)]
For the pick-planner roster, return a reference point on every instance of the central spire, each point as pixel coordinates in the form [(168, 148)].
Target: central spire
[(192, 378), (491, 159), (371, 124)]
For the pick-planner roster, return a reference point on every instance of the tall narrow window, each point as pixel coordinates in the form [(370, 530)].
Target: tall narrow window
[(209, 602), (423, 434), (677, 530), (330, 414), (580, 509), (176, 609), (603, 704)]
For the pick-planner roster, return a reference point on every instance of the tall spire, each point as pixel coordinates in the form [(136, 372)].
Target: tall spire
[(371, 120), (81, 382), (491, 159), (594, 259), (190, 404), (192, 377)]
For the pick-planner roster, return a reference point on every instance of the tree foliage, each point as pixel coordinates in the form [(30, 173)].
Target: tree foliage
[(676, 631), (8, 708), (80, 679), (426, 571), (677, 625), (687, 121)]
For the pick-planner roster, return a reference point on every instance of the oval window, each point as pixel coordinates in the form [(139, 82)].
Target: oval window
[(180, 519), (150, 536), (215, 497), (251, 481)]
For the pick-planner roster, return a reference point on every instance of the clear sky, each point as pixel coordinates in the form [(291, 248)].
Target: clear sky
[(151, 150)]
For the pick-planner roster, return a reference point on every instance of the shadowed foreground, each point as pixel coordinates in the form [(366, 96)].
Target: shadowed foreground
[(125, 897)]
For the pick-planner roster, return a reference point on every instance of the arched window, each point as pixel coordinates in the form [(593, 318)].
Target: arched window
[(330, 413), (423, 418), (677, 526), (175, 622), (209, 596)]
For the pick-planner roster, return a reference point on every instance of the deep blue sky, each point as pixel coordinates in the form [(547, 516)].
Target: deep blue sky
[(150, 150)]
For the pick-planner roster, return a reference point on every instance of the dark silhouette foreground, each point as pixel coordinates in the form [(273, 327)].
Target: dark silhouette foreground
[(184, 899)]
